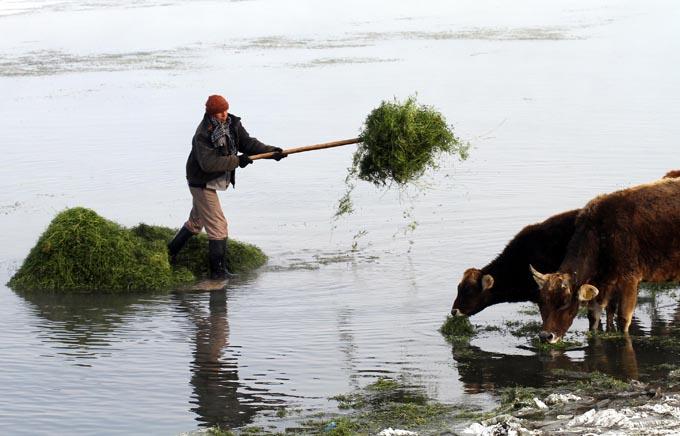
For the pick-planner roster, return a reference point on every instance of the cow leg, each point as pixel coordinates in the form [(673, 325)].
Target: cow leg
[(594, 313), (627, 302), (612, 308), (610, 320)]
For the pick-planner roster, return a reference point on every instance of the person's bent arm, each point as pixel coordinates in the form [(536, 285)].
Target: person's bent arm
[(211, 161)]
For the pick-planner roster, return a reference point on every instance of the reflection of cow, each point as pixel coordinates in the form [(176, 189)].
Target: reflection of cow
[(507, 278), (625, 358), (483, 371), (620, 239), (616, 357)]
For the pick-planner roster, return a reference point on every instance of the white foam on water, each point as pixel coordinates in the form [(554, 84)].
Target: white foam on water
[(553, 399), (500, 425), (389, 431), (540, 404), (660, 418)]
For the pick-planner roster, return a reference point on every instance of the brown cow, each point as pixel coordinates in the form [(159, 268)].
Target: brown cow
[(620, 239), (507, 278)]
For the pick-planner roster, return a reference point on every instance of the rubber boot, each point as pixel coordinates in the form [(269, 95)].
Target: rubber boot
[(217, 256), (177, 243)]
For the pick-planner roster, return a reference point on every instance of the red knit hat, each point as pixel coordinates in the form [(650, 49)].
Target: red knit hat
[(216, 104)]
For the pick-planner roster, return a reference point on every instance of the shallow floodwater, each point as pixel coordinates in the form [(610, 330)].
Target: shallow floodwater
[(561, 101)]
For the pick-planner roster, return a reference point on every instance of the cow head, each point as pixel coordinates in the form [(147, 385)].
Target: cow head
[(559, 302), (474, 293)]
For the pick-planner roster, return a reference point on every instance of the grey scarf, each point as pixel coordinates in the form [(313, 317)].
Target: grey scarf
[(221, 136)]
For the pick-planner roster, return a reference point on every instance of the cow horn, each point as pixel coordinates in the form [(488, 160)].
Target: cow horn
[(539, 278)]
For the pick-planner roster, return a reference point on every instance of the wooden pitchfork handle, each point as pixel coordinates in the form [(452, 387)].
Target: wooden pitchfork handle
[(307, 148)]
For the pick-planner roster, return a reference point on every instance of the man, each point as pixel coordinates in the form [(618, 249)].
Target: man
[(211, 167)]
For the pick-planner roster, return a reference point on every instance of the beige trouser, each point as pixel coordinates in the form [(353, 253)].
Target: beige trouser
[(206, 211)]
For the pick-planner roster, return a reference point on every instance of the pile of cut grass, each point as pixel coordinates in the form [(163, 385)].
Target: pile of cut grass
[(241, 257), (81, 251)]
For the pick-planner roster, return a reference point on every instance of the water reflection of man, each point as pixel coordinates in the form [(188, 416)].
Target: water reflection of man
[(211, 167), (215, 381)]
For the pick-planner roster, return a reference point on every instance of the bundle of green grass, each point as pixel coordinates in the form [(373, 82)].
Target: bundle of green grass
[(457, 328), (400, 141), (83, 252)]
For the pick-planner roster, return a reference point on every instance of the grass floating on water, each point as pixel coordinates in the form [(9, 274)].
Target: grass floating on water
[(81, 251), (385, 403), (457, 328)]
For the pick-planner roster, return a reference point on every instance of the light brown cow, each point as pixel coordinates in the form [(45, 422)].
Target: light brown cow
[(620, 239)]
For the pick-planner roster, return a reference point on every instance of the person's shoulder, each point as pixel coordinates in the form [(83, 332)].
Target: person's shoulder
[(235, 119), (203, 129), (204, 125)]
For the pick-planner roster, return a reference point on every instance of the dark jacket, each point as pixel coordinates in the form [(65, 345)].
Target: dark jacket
[(207, 162)]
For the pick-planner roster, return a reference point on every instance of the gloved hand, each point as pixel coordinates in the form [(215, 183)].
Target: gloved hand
[(244, 160), (278, 154)]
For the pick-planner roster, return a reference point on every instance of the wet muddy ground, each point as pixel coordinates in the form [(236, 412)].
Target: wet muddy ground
[(560, 101)]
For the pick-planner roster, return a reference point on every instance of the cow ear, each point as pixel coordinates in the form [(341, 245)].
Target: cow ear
[(487, 282), (539, 278), (587, 292)]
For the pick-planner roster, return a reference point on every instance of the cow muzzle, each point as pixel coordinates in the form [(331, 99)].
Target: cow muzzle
[(457, 312), (548, 337)]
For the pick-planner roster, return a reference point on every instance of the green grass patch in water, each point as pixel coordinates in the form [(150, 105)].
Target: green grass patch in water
[(386, 403), (598, 381), (457, 329), (254, 430), (613, 335), (522, 329), (218, 431), (383, 384), (489, 328), (590, 382), (81, 251), (341, 426), (241, 257)]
